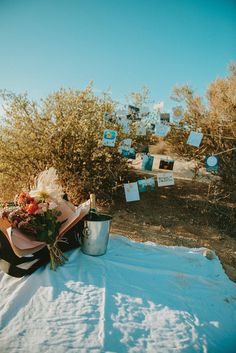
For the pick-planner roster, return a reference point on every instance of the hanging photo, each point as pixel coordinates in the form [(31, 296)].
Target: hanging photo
[(165, 179), (147, 162), (151, 127), (165, 118), (133, 113), (125, 145), (129, 153), (212, 163), (175, 121), (107, 117), (195, 138), (123, 121), (150, 182), (146, 184), (121, 113), (144, 111), (131, 192), (161, 130), (109, 138), (166, 164), (141, 129), (133, 109)]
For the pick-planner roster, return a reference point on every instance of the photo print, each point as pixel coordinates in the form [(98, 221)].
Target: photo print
[(161, 130), (140, 129), (144, 111), (147, 162), (195, 138), (165, 179), (133, 109), (121, 113), (125, 144), (166, 163), (109, 138), (129, 153), (124, 123), (146, 184), (131, 192), (133, 113), (108, 117), (164, 118), (212, 163)]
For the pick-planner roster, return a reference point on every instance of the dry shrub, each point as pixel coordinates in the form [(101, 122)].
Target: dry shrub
[(161, 147), (65, 131), (216, 119)]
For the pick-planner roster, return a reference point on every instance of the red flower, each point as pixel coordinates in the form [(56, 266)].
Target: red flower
[(24, 198), (31, 207)]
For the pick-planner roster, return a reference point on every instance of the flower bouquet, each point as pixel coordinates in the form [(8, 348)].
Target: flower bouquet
[(40, 218)]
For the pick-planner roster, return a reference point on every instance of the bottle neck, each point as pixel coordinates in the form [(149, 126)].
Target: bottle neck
[(92, 203)]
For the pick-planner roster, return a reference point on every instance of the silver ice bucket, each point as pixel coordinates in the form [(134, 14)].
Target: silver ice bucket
[(96, 235)]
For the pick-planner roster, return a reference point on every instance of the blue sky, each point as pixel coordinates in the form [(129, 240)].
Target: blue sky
[(119, 44)]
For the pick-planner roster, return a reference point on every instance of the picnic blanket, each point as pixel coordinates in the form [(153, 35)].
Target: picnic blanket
[(135, 298)]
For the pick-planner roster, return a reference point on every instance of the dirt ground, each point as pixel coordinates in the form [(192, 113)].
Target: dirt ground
[(179, 215)]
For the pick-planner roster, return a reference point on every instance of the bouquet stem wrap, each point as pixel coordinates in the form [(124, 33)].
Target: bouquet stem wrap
[(57, 257)]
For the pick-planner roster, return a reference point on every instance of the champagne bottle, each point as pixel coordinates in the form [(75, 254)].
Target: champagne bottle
[(93, 215)]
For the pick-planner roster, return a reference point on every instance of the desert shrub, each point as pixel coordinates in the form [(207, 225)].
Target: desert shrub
[(76, 149), (65, 131), (141, 99), (215, 117), (23, 148)]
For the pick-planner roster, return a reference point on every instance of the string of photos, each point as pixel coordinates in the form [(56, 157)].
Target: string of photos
[(160, 125)]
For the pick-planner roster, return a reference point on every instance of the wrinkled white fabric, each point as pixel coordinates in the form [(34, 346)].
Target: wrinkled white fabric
[(135, 298)]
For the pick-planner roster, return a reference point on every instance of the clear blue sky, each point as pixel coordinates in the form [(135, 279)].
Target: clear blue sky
[(119, 44)]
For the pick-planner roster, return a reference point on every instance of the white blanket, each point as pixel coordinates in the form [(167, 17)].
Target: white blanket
[(135, 298)]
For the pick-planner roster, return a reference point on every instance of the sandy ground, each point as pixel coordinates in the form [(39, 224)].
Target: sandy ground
[(178, 215)]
